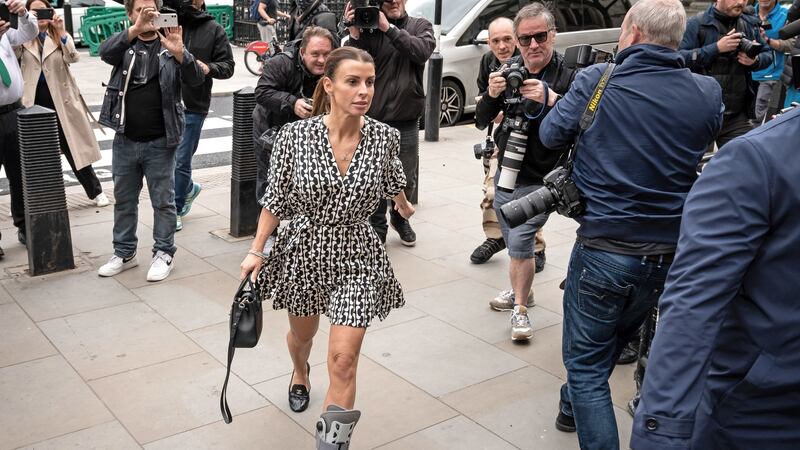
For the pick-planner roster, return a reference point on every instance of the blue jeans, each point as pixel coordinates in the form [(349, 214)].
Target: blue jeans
[(155, 161), (183, 158), (606, 298)]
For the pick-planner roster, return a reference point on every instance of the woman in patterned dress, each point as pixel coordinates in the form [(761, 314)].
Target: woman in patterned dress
[(326, 175)]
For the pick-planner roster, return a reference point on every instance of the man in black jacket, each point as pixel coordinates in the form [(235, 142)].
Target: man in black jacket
[(534, 29), (143, 106), (306, 13), (285, 90), (712, 46), (401, 45), (207, 41)]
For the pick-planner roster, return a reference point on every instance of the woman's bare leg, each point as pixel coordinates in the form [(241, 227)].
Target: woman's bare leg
[(344, 347), (299, 339)]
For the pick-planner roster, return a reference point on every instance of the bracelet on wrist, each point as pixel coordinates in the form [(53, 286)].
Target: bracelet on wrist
[(255, 253)]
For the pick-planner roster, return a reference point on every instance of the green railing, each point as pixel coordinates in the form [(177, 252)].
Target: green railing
[(99, 23)]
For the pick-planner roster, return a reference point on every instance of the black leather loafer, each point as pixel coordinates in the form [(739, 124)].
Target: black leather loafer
[(299, 395)]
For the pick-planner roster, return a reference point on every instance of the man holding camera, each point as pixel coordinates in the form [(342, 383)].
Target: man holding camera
[(207, 41), (284, 92), (400, 45), (307, 13), (634, 165), (540, 77), (726, 44), (143, 106), (10, 94)]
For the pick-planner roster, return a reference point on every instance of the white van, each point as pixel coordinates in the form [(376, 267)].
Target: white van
[(594, 22)]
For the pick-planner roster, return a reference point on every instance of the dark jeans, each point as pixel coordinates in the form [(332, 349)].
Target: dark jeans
[(409, 157), (733, 126), (155, 161), (86, 176), (606, 298), (183, 157), (9, 159)]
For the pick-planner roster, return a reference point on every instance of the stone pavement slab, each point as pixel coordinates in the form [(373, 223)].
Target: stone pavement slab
[(23, 341), (45, 398), (109, 435), (458, 432)]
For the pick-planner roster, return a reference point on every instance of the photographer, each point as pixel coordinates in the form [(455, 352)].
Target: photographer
[(633, 167), (284, 91), (306, 13), (717, 43), (400, 45), (143, 106), (773, 16), (207, 41), (545, 78)]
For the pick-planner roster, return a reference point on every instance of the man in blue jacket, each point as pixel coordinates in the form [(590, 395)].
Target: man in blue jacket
[(634, 166), (712, 45), (724, 367)]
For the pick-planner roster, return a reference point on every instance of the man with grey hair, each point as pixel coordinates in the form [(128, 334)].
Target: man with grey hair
[(636, 163), (143, 105), (547, 78)]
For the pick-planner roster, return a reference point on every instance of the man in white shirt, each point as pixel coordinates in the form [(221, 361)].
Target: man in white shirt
[(10, 94)]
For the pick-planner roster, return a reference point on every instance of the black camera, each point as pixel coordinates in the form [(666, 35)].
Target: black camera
[(749, 48), (484, 149), (765, 24), (559, 193), (584, 55), (366, 13), (515, 76)]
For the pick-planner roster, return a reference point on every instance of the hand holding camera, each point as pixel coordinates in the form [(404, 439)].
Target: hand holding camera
[(144, 24), (729, 42), (302, 109), (497, 83), (534, 90)]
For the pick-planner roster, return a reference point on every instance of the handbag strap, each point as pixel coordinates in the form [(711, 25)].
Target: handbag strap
[(223, 398)]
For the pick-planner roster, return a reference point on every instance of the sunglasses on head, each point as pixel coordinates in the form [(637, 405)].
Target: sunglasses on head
[(540, 38)]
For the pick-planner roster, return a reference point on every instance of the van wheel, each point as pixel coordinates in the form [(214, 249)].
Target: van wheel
[(452, 106)]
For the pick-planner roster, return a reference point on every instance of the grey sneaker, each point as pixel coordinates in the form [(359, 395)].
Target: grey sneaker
[(521, 328), (505, 301)]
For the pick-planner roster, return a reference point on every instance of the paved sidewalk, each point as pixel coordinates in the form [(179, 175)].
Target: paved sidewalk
[(118, 363)]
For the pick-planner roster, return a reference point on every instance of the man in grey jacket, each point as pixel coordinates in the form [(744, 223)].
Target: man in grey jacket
[(143, 105)]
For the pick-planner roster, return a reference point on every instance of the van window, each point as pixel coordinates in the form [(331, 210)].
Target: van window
[(570, 15)]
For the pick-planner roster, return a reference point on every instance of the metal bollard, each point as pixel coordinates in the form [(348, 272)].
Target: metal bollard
[(46, 218), (433, 102), (244, 209)]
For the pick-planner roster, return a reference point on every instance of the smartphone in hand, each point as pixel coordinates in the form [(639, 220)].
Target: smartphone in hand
[(44, 13), (166, 21), (6, 16)]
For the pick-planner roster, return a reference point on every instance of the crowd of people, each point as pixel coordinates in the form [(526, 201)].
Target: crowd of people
[(336, 139)]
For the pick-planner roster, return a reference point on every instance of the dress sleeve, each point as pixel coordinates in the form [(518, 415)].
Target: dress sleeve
[(280, 180), (394, 179)]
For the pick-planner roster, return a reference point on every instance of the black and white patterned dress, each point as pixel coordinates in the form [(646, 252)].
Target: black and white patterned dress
[(328, 260)]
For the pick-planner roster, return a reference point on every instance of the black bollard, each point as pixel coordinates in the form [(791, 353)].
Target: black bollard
[(68, 19), (244, 210), (433, 102), (46, 218)]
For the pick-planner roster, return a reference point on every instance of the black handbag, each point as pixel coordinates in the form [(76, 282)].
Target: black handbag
[(246, 322)]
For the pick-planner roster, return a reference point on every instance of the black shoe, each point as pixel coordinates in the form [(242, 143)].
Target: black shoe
[(540, 260), (565, 423), (629, 354), (403, 228), (299, 397), (486, 250), (22, 238)]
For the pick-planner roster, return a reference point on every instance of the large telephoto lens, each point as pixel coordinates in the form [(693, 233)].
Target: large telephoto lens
[(512, 161), (519, 211)]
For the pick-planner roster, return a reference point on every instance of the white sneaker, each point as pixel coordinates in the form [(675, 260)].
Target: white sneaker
[(505, 301), (116, 265), (101, 200), (521, 328), (160, 267)]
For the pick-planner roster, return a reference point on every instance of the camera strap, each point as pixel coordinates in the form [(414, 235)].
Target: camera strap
[(590, 112)]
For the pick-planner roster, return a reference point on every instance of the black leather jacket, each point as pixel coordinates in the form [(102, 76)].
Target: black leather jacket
[(538, 160), (118, 52)]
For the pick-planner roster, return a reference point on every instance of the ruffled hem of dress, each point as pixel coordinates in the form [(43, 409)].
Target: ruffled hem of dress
[(379, 298)]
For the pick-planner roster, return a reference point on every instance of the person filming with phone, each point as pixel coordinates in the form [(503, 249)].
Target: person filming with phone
[(17, 26), (143, 106), (45, 61)]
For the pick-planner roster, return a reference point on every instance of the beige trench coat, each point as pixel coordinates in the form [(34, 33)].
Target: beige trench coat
[(71, 110)]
